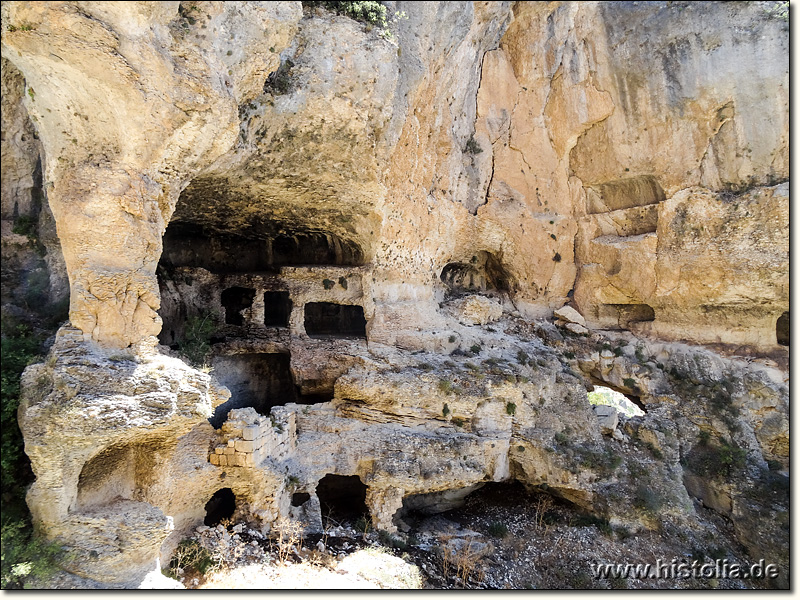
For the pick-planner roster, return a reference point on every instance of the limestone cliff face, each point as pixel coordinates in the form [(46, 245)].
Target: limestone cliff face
[(453, 141), (611, 116), (366, 239), (129, 104)]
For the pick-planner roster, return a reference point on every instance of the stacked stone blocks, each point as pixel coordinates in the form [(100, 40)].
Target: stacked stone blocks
[(250, 438)]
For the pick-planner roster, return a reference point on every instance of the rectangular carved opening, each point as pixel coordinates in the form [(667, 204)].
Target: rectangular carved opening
[(277, 308), (326, 319), (235, 300)]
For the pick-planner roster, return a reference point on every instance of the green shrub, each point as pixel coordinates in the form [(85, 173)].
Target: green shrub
[(716, 460), (196, 342), (446, 386), (645, 499), (618, 583), (37, 284), (367, 11), (363, 524), (603, 461), (636, 470), (601, 523), (498, 529), (328, 284), (24, 556), (458, 421), (25, 225), (522, 357), (774, 482), (511, 408), (629, 383), (425, 366), (777, 10), (189, 555), (20, 348), (561, 437), (654, 451), (445, 410), (623, 533), (475, 349)]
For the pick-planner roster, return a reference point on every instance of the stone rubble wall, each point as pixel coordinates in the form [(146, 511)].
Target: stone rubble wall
[(250, 439)]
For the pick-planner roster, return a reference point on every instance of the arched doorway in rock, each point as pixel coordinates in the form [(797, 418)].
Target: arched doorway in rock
[(327, 319), (220, 507), (782, 329), (630, 406), (342, 498)]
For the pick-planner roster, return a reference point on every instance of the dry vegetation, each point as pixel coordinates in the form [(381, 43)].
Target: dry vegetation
[(502, 538)]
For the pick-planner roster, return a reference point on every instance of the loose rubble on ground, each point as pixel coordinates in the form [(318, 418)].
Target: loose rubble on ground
[(504, 537)]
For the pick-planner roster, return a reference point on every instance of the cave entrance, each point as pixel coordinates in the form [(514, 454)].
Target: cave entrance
[(221, 507), (782, 329), (488, 505), (417, 507), (300, 498), (277, 309), (235, 300), (258, 380), (484, 272), (342, 498), (190, 245), (314, 248), (257, 249), (630, 406), (326, 319)]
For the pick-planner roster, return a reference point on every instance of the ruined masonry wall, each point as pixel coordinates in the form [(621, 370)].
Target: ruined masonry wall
[(250, 438)]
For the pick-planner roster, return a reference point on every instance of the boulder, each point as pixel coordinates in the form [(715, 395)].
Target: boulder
[(607, 417), (570, 315)]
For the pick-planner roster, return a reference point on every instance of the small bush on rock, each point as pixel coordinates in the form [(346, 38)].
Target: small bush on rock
[(646, 500), (716, 461), (498, 530), (196, 342), (25, 557), (367, 11), (190, 555)]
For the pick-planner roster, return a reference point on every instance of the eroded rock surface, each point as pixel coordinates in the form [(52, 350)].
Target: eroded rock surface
[(364, 239)]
